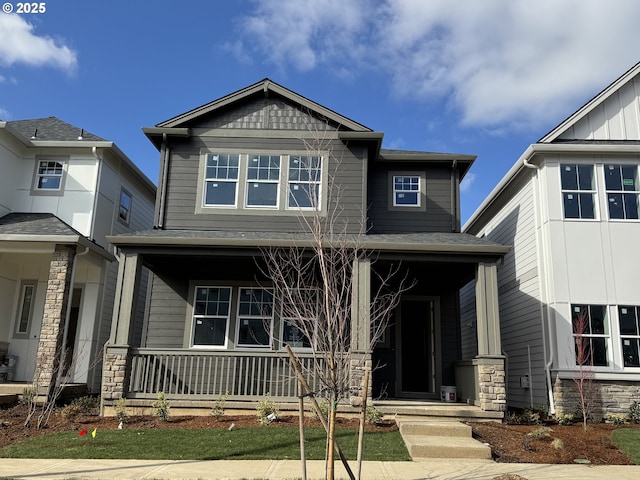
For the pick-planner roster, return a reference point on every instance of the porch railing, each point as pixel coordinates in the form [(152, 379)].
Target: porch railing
[(198, 375)]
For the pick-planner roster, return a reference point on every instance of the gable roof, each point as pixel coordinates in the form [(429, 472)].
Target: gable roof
[(52, 129), (590, 106), (264, 87)]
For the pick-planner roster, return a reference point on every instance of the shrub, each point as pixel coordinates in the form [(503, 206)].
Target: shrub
[(218, 406), (70, 412), (266, 410), (86, 404), (324, 410), (634, 412), (373, 415), (616, 418), (540, 433), (564, 418), (557, 444), (527, 417), (121, 409), (161, 407)]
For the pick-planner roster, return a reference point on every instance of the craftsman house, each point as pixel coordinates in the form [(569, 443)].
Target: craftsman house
[(62, 191), (236, 175), (569, 208)]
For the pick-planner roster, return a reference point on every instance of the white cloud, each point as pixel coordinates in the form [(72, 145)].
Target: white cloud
[(21, 45), (467, 181), (4, 114), (499, 62)]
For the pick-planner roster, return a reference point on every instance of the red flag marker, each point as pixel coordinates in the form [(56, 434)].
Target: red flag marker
[(82, 433)]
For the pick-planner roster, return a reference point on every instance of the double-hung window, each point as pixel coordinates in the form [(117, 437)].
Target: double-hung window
[(406, 191), (263, 181), (211, 316), (621, 182), (591, 334), (300, 313), (255, 317), (221, 180), (49, 175), (304, 182), (629, 318), (578, 190)]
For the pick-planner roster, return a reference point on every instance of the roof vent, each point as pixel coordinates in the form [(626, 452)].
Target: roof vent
[(81, 134), (35, 134)]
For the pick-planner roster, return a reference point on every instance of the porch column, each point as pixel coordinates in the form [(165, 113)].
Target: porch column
[(124, 307), (488, 318), (360, 329), (48, 357)]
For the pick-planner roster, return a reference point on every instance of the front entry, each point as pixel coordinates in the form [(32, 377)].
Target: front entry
[(417, 367)]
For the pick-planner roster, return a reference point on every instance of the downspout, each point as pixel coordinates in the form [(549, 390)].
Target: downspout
[(94, 151), (162, 193), (454, 203), (546, 328)]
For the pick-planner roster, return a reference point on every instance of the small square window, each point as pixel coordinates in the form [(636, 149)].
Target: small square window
[(49, 175)]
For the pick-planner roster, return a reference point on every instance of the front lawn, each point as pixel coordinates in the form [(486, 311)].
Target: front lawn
[(628, 440), (252, 443)]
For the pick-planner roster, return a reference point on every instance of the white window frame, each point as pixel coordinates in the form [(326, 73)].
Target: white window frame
[(41, 176), (26, 284), (569, 191), (127, 209), (256, 182), (214, 180), (198, 317), (249, 317), (403, 191), (576, 308), (628, 337), (285, 317), (312, 185), (623, 192)]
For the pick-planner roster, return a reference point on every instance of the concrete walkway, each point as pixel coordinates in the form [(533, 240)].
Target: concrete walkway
[(290, 469)]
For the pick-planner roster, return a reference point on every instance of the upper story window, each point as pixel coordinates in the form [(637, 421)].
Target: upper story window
[(578, 190), (211, 309), (263, 181), (49, 175), (406, 191), (629, 318), (590, 322), (221, 180), (621, 182), (304, 182), (124, 209)]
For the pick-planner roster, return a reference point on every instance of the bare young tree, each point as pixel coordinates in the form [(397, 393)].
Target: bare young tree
[(314, 278), (583, 378)]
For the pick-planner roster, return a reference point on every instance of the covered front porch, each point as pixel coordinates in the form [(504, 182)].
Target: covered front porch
[(419, 353)]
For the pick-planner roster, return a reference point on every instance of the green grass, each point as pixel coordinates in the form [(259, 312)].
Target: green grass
[(628, 440), (253, 443)]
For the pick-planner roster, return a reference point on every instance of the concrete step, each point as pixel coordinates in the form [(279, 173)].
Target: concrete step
[(408, 426), (422, 446)]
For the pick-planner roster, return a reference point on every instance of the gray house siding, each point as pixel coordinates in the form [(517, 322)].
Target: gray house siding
[(468, 336), (436, 217), (345, 170), (449, 336), (167, 310)]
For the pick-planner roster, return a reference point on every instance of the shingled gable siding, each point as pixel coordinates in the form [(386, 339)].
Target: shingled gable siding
[(438, 216)]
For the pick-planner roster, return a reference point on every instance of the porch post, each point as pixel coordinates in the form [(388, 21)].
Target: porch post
[(360, 328), (488, 317), (116, 352), (49, 355)]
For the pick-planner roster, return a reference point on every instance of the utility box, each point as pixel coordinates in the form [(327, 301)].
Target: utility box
[(524, 381)]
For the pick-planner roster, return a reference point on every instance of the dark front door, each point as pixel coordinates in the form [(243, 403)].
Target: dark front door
[(416, 349)]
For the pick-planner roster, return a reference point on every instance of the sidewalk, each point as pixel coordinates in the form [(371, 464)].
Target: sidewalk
[(291, 469)]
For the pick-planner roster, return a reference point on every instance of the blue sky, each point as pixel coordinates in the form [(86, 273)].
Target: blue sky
[(484, 77)]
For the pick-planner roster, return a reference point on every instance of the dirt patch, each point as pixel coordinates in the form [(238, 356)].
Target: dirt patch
[(564, 443)]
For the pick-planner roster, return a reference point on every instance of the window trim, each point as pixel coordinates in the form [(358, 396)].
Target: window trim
[(593, 192), (238, 319), (623, 192), (192, 329), (239, 208), (17, 333), (284, 319), (128, 210), (249, 181), (203, 179), (316, 183), (622, 336), (39, 159), (607, 336), (422, 193)]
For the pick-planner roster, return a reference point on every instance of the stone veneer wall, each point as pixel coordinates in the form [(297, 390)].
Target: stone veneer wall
[(114, 372), (492, 389), (609, 397), (54, 317), (356, 378)]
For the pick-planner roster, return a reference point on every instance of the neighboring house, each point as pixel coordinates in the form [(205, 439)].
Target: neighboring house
[(62, 191), (231, 176), (569, 208)]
